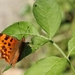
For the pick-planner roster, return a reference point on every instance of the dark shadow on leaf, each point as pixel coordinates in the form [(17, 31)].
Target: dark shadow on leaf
[(24, 50)]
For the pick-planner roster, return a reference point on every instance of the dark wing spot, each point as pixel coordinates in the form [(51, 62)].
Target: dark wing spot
[(11, 40), (7, 37), (5, 43), (9, 44), (2, 40), (10, 48), (3, 47)]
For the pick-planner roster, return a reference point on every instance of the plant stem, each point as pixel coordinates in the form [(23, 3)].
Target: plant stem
[(62, 54), (70, 52), (60, 50)]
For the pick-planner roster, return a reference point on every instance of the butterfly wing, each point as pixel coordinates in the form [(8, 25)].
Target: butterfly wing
[(9, 48), (15, 52)]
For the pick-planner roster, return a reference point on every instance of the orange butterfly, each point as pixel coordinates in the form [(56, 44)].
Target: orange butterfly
[(10, 48)]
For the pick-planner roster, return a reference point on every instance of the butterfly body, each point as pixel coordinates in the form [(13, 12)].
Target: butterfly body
[(10, 48)]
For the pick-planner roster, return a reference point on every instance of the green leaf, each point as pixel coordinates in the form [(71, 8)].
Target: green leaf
[(48, 15), (71, 46), (20, 29), (37, 41), (7, 67), (48, 66)]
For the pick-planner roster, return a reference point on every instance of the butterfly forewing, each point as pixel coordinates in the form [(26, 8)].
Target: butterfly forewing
[(9, 48)]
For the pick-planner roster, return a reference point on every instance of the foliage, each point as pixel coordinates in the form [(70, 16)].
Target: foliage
[(48, 15)]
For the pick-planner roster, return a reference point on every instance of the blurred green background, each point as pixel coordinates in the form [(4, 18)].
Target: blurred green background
[(21, 10)]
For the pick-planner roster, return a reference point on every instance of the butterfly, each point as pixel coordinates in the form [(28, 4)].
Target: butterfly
[(10, 48)]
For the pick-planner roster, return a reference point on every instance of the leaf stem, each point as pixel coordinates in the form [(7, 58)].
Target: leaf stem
[(70, 51), (63, 54), (56, 47), (60, 50)]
